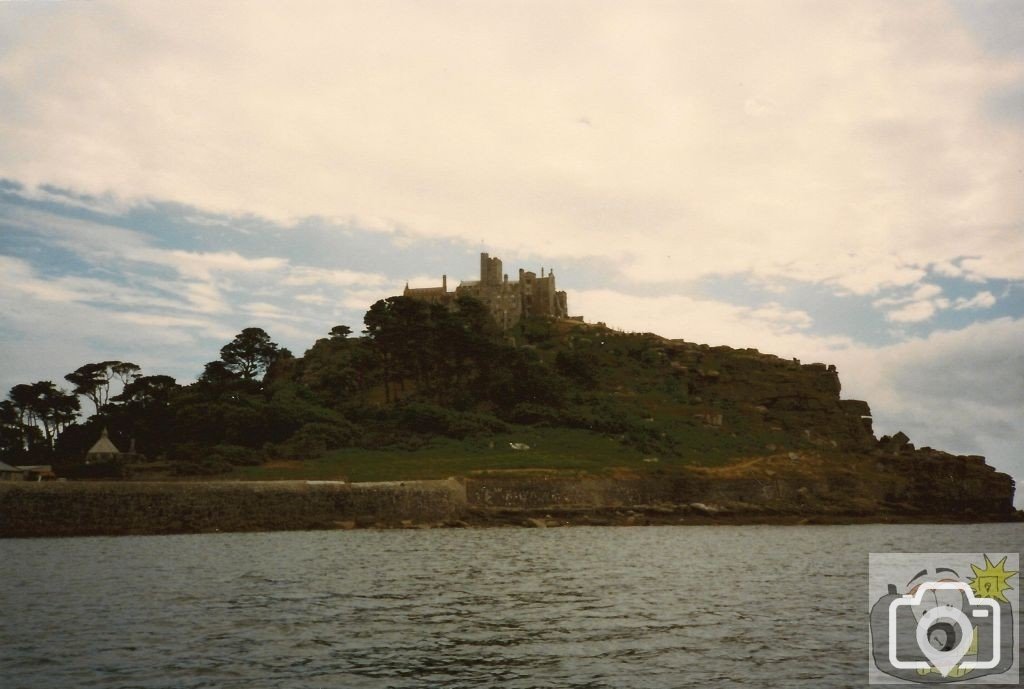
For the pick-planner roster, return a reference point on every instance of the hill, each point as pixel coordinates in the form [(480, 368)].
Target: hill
[(435, 391), (589, 400)]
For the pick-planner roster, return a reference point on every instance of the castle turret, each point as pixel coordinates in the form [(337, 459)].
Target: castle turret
[(490, 270)]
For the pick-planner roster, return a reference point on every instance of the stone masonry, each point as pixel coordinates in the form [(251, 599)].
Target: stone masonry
[(509, 301)]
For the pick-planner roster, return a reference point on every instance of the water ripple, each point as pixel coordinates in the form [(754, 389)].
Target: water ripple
[(582, 607)]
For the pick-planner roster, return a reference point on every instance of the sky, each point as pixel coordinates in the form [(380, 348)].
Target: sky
[(836, 182)]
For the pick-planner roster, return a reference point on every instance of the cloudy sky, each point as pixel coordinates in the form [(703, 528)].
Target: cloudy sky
[(838, 182)]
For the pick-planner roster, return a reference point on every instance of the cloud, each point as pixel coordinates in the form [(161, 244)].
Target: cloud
[(120, 292), (49, 332), (360, 299), (770, 328), (108, 204), (18, 277), (914, 312), (305, 276), (317, 299), (160, 322), (199, 264), (856, 156), (198, 281), (914, 307), (981, 300)]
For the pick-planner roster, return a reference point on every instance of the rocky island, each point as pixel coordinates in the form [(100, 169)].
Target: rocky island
[(486, 405)]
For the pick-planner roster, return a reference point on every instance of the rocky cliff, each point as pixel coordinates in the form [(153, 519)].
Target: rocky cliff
[(779, 395)]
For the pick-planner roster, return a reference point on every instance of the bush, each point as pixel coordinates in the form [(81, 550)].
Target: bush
[(579, 367), (533, 414), (235, 455), (539, 331), (598, 418), (314, 439), (431, 419), (198, 456), (206, 467)]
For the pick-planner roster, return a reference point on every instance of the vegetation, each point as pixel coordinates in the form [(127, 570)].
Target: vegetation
[(424, 392)]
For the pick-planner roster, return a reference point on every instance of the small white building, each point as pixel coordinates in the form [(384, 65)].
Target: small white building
[(104, 450)]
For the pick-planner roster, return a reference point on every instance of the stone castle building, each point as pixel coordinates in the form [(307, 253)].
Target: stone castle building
[(509, 301)]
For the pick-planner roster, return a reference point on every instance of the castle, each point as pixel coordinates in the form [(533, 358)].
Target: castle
[(508, 301)]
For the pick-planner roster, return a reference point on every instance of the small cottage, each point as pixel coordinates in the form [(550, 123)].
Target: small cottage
[(103, 451)]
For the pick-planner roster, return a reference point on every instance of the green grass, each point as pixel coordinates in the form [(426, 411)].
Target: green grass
[(558, 449), (636, 385), (563, 450)]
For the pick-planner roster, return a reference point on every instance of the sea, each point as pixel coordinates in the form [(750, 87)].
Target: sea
[(632, 607)]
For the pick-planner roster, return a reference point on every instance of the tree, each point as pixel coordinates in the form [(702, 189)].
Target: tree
[(90, 381), (396, 326), (216, 374), (42, 405), (250, 353), (340, 332), (22, 397), (337, 369), (93, 380), (438, 346), (13, 434), (146, 391), (143, 412), (125, 371), (60, 409)]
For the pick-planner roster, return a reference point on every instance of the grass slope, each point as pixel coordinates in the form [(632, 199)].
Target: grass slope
[(659, 395)]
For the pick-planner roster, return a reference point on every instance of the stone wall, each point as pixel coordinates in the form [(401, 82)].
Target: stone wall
[(88, 508), (890, 487), (743, 493)]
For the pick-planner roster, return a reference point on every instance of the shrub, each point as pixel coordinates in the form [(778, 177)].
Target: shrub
[(314, 439), (597, 418), (579, 367), (533, 414), (205, 467), (431, 419), (235, 455)]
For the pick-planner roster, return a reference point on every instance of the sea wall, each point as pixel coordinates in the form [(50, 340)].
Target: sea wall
[(540, 493), (899, 489), (93, 508)]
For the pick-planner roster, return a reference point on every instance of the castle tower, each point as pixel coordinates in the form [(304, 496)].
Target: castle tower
[(490, 270)]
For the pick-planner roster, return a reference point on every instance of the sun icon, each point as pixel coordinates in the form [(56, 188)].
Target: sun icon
[(990, 581)]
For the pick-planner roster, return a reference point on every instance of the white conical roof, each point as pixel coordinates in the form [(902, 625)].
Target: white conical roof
[(104, 446)]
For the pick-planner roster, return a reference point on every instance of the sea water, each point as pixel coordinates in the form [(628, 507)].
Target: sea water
[(721, 606)]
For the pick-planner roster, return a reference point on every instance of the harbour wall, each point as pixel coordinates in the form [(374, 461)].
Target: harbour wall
[(126, 507)]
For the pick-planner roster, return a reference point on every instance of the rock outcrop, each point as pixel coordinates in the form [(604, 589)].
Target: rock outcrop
[(784, 395)]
